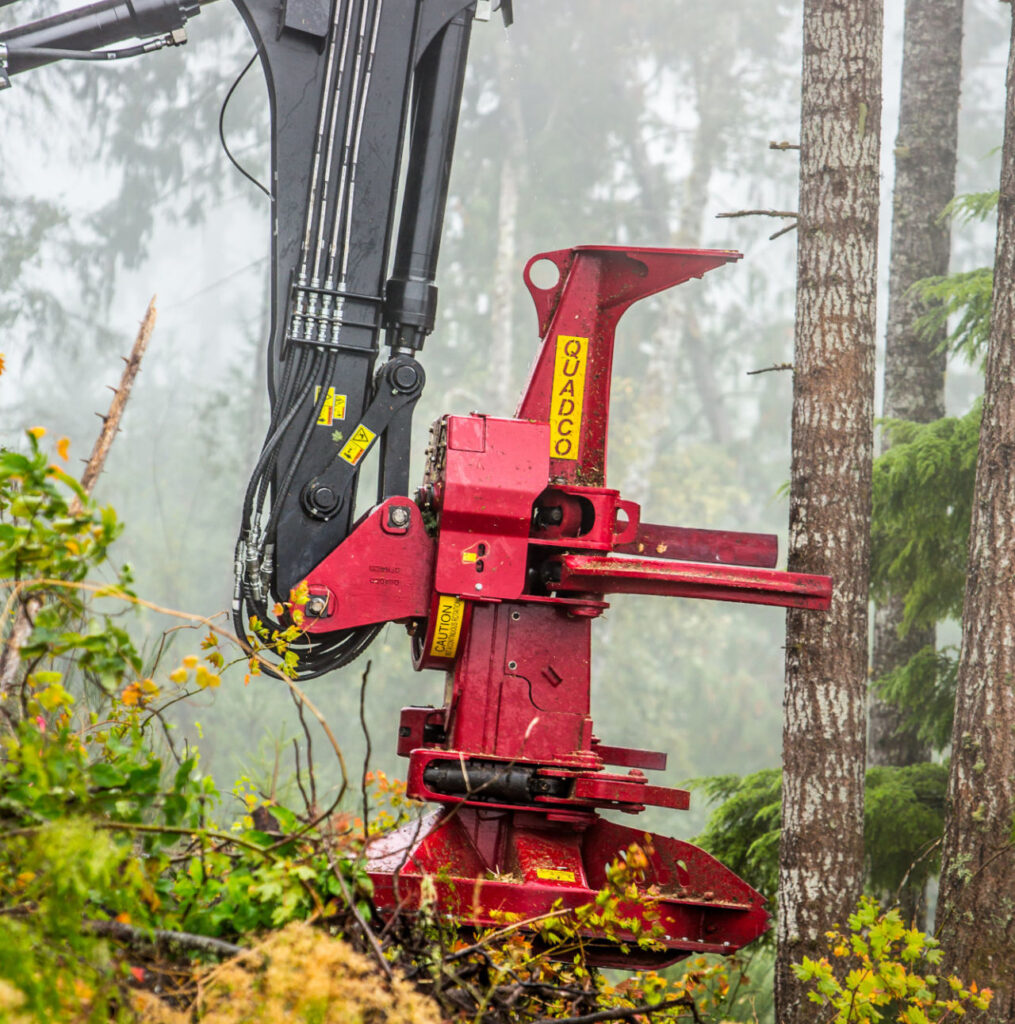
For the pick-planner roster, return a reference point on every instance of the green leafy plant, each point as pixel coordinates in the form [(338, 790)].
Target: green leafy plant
[(881, 970)]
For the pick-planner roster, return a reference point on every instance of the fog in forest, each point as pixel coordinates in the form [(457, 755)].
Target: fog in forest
[(589, 121)]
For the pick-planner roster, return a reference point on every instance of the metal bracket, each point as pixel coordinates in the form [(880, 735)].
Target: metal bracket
[(5, 79)]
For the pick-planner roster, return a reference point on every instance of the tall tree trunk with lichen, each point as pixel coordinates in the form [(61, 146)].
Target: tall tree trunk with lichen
[(925, 153), (824, 728), (976, 907)]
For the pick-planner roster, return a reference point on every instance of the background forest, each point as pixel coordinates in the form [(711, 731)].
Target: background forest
[(587, 122)]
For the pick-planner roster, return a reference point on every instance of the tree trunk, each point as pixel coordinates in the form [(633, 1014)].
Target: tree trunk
[(925, 153), (976, 909), (824, 729)]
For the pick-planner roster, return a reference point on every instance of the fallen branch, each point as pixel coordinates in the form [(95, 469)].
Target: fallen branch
[(146, 937), (625, 1014), (368, 934)]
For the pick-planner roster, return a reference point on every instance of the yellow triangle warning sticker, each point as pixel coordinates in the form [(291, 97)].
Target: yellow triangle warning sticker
[(357, 445)]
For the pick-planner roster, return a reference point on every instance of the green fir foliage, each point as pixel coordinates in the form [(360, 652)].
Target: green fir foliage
[(923, 488), (743, 829), (964, 299), (958, 305), (904, 815), (903, 819), (924, 688)]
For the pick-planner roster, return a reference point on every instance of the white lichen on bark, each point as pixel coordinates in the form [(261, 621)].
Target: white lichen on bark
[(833, 402), (976, 907)]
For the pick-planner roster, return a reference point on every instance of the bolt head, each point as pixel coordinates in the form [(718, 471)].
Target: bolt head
[(405, 377), (398, 515)]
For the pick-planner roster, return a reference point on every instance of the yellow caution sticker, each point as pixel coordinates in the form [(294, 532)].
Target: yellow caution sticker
[(357, 445), (568, 396), (450, 615), (332, 409), (554, 875), (468, 557)]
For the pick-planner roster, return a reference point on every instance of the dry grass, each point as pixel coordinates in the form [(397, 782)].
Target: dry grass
[(300, 975)]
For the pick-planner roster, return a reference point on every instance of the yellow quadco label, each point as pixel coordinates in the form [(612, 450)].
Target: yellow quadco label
[(568, 396), (554, 875), (357, 445), (450, 613), (332, 409)]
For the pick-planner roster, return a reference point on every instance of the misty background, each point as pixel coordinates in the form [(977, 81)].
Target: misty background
[(589, 121)]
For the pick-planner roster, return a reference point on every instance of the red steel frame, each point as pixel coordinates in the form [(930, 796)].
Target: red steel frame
[(501, 595)]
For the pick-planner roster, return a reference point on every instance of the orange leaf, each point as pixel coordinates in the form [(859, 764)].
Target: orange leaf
[(62, 447)]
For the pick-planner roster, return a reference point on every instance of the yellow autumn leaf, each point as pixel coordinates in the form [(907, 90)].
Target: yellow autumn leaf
[(131, 695), (190, 661), (54, 696), (206, 679), (178, 675), (37, 432), (2, 364), (63, 447)]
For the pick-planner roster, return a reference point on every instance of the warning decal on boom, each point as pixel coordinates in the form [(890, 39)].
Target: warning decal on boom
[(357, 445), (332, 409)]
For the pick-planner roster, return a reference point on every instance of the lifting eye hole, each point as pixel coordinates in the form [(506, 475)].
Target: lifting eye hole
[(544, 274)]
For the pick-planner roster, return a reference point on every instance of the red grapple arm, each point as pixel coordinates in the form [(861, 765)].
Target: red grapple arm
[(500, 573)]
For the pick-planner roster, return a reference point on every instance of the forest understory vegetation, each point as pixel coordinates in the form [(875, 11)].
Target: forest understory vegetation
[(134, 889)]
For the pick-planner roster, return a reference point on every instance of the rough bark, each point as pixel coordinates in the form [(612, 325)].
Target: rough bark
[(925, 154), (976, 909), (824, 730)]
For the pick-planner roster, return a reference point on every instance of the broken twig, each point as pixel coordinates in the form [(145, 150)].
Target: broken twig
[(111, 421), (759, 213), (769, 369)]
